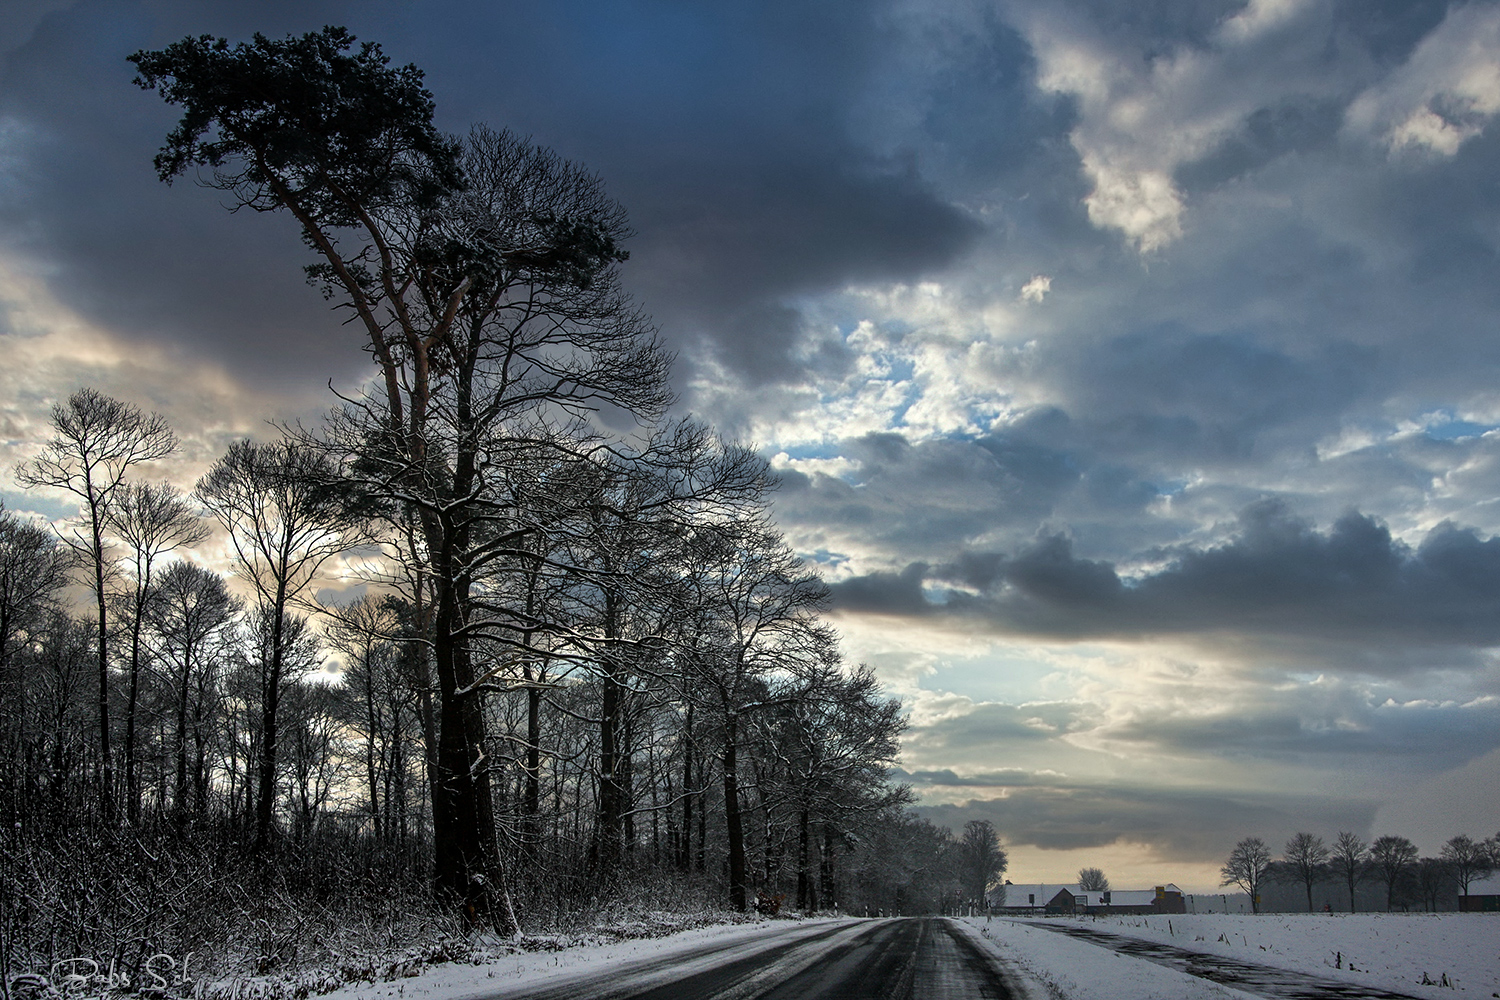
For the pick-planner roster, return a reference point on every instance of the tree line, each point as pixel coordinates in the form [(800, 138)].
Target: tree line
[(584, 663), (1392, 862)]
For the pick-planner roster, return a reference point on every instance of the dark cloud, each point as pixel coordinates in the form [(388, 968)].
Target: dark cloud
[(758, 242), (147, 262), (1347, 733), (1185, 825), (888, 593), (949, 779), (1278, 576), (1160, 25), (726, 137), (1388, 32), (1192, 396), (931, 497), (1294, 126)]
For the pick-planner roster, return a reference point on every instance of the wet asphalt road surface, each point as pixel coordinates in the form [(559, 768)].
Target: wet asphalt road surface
[(1263, 980), (914, 958)]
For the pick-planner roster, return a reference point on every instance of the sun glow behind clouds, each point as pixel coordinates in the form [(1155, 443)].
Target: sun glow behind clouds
[(50, 351)]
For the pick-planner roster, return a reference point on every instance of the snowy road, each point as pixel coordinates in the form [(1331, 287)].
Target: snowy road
[(900, 959), (1032, 959)]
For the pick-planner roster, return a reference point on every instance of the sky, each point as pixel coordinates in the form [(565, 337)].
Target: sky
[(1130, 368)]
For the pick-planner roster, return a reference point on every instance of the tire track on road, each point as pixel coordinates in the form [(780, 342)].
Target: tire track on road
[(642, 978), (892, 959)]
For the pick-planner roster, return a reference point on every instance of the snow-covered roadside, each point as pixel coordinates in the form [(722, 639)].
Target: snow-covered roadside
[(1069, 969), (513, 973), (1393, 951)]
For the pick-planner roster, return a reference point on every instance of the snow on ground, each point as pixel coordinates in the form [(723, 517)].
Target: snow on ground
[(512, 974), (1070, 969), (1392, 951)]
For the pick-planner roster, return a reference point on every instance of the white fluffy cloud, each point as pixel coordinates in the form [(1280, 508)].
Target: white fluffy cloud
[(1445, 94), (1035, 290), (1143, 114)]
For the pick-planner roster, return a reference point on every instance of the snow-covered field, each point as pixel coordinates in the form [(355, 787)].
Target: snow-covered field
[(1394, 951), (1062, 968)]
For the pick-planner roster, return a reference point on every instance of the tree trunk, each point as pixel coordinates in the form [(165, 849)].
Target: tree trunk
[(132, 791), (702, 818), (532, 801), (825, 868), (180, 788), (106, 772), (609, 836), (804, 881), (467, 867), (372, 769), (271, 701), (736, 835), (685, 861), (625, 767)]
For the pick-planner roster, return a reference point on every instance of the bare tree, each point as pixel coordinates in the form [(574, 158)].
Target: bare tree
[(1092, 880), (830, 745), (379, 703), (95, 442), (1432, 877), (1305, 860), (1391, 862), (1247, 867), (1468, 859), (1348, 861), (981, 858), (189, 619), (756, 608), (33, 569), (285, 520), (33, 572), (152, 520), (317, 757)]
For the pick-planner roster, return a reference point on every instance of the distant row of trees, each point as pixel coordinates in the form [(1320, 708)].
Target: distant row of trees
[(912, 866), (1393, 862)]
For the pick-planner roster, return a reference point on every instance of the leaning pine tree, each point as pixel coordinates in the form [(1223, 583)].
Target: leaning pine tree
[(483, 274)]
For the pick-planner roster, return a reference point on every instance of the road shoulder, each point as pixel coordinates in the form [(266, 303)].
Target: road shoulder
[(1055, 967)]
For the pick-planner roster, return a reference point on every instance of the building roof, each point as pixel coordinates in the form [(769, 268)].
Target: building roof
[(1042, 893)]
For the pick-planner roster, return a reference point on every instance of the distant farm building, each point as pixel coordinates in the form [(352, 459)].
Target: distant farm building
[(1041, 898), (1483, 897)]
